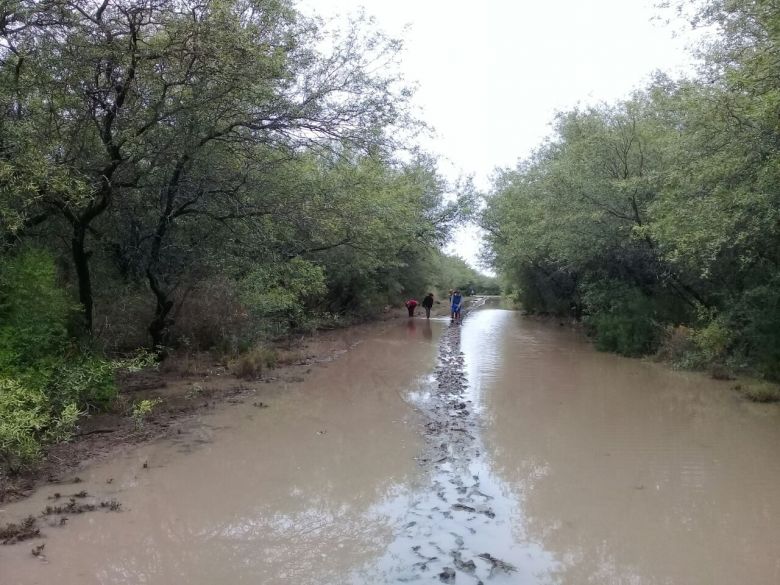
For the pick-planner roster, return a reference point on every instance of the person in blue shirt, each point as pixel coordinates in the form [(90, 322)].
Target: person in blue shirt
[(456, 301)]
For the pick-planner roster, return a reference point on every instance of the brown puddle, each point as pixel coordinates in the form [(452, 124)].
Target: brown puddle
[(573, 467)]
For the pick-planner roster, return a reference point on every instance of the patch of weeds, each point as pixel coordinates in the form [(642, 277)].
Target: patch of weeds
[(194, 392), (72, 507), (111, 505), (12, 533)]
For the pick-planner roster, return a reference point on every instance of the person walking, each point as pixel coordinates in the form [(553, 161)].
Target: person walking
[(455, 306), (411, 305), (428, 305)]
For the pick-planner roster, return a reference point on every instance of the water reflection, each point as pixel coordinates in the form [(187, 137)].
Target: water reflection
[(427, 330)]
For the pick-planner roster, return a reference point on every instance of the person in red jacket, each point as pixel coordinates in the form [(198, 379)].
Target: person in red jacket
[(411, 305)]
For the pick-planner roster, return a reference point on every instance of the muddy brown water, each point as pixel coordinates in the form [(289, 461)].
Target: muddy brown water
[(502, 451)]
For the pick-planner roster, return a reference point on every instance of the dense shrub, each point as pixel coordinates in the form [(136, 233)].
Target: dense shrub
[(623, 319)]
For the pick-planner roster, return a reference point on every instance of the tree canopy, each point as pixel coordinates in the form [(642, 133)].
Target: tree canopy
[(661, 213)]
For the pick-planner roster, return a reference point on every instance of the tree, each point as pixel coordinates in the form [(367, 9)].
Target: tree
[(136, 100)]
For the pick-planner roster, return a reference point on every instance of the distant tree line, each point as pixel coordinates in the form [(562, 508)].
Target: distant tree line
[(657, 219)]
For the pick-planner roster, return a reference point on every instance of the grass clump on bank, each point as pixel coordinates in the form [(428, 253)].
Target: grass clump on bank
[(758, 391), (254, 362)]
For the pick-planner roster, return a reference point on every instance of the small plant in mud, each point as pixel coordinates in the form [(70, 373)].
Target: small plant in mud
[(194, 392), (142, 409)]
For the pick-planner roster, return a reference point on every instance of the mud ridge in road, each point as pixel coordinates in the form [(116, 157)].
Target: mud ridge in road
[(445, 527)]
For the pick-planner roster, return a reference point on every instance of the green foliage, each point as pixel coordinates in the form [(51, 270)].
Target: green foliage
[(661, 210), (713, 339), (755, 326), (278, 294), (34, 313), (27, 422), (445, 272), (623, 319), (45, 379)]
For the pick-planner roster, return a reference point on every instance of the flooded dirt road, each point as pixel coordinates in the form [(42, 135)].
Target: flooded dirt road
[(502, 451)]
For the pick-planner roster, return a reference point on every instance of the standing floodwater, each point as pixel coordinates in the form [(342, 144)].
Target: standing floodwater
[(503, 450)]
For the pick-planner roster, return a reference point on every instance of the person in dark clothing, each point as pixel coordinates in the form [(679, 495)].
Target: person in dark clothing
[(428, 305), (411, 305)]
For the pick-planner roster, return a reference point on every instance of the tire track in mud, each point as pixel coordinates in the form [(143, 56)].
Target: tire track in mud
[(451, 527)]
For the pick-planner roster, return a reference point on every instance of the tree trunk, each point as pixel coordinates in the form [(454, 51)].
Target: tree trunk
[(81, 261), (158, 328)]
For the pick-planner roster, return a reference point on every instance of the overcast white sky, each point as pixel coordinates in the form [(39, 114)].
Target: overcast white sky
[(492, 74)]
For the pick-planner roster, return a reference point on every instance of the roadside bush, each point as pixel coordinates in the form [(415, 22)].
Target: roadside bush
[(142, 410), (212, 317), (713, 339), (547, 289), (28, 422), (277, 295), (622, 320), (678, 346), (761, 392), (34, 312)]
